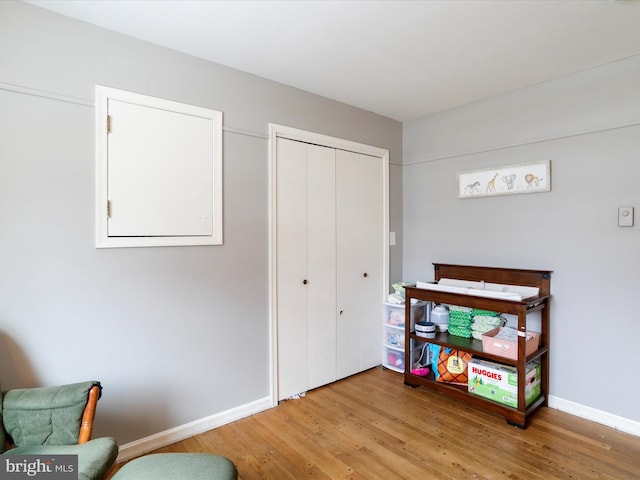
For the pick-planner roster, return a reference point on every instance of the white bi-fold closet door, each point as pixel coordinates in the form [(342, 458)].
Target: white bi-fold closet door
[(330, 230)]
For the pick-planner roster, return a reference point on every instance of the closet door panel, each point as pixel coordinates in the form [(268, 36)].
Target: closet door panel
[(321, 260), (291, 231), (359, 220), (330, 253)]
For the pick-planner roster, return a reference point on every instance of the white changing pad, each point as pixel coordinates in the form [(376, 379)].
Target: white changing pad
[(514, 293)]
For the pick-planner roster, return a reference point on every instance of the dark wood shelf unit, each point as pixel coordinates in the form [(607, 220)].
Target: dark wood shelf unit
[(532, 278)]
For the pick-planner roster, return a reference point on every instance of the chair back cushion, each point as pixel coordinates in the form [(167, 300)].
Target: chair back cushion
[(45, 416)]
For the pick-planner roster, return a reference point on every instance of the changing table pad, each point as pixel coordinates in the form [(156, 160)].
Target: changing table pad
[(515, 293)]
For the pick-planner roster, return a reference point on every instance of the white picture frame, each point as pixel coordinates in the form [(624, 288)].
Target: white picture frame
[(534, 177)]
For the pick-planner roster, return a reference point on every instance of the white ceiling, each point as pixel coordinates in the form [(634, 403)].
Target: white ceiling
[(401, 59)]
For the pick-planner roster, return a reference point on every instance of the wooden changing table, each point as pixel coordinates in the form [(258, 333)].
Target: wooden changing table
[(540, 303)]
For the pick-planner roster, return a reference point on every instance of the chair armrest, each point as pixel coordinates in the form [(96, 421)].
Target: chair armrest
[(86, 426), (49, 415)]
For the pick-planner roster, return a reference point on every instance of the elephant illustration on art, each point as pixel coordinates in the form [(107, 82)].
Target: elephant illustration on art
[(509, 180)]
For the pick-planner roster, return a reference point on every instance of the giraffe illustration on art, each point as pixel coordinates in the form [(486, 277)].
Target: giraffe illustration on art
[(491, 186)]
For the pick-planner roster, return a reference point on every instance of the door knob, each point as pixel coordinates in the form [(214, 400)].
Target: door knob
[(305, 281), (365, 275)]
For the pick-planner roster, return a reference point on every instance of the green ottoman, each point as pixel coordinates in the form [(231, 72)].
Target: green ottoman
[(178, 466)]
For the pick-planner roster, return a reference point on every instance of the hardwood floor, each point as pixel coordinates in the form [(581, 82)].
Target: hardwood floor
[(371, 426)]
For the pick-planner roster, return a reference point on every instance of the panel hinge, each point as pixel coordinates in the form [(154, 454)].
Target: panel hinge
[(108, 123), (108, 208)]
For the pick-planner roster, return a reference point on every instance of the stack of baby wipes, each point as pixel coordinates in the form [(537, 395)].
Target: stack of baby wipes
[(460, 320)]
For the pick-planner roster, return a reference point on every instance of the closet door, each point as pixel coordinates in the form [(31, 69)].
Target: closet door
[(306, 259), (321, 261), (360, 243), (291, 211)]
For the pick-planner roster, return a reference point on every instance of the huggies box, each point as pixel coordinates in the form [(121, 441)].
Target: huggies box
[(500, 382)]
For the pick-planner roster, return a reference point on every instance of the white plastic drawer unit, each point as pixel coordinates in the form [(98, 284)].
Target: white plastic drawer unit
[(158, 172)]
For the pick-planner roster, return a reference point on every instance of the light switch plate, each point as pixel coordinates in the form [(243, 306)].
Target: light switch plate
[(625, 217)]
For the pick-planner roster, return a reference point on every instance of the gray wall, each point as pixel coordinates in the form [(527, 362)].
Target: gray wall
[(588, 125), (175, 334)]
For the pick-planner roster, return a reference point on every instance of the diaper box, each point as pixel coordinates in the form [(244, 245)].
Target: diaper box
[(500, 382)]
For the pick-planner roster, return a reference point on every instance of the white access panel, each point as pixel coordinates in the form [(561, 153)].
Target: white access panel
[(159, 171)]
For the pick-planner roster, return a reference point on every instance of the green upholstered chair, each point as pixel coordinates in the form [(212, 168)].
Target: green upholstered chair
[(57, 421)]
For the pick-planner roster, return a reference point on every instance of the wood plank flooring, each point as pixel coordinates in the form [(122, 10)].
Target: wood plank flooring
[(372, 426)]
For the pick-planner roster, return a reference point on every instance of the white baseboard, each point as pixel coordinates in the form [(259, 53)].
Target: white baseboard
[(598, 416), (162, 439)]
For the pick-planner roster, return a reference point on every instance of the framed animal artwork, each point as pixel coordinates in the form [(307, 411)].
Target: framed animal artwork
[(508, 180)]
